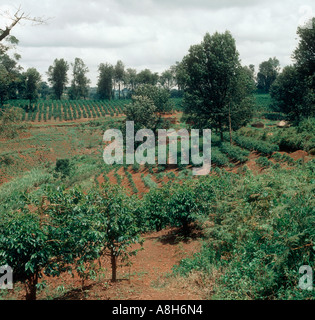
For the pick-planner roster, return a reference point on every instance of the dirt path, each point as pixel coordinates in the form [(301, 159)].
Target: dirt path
[(151, 269), (149, 277)]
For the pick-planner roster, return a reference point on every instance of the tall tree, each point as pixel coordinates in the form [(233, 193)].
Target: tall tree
[(130, 79), (292, 94), (4, 83), (216, 91), (44, 90), (180, 75), (13, 78), (105, 81), (32, 80), (304, 54), (57, 76), (267, 74), (11, 81), (167, 79), (148, 104), (119, 73), (147, 77), (293, 91), (80, 83)]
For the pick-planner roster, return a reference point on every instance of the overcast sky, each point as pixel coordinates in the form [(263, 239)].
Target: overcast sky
[(153, 34)]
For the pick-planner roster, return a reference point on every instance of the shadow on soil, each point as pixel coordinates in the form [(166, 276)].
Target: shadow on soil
[(174, 237)]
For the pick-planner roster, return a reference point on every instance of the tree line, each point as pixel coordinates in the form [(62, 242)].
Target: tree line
[(114, 81)]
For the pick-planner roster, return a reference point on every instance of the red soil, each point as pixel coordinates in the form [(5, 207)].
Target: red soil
[(146, 279)]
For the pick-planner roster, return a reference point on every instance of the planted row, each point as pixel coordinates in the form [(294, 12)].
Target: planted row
[(235, 152), (251, 144)]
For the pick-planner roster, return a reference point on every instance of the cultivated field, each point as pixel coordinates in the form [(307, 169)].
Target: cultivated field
[(250, 178)]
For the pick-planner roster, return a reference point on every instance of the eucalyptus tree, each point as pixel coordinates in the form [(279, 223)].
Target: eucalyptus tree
[(293, 90), (147, 77), (80, 83), (292, 94), (304, 54), (130, 78), (57, 76), (32, 81), (267, 74), (119, 72), (105, 81), (167, 79)]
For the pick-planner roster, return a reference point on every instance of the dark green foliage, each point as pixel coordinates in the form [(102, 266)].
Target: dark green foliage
[(263, 102), (304, 53), (155, 209), (301, 137), (255, 145), (261, 232), (293, 91), (217, 87), (79, 84), (136, 167), (268, 72), (55, 239), (263, 162), (292, 95), (63, 166), (32, 79), (116, 222), (218, 158), (234, 152), (69, 231), (105, 81), (57, 76)]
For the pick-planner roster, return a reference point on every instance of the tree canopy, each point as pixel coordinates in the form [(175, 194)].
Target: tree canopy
[(267, 74), (216, 86), (105, 81), (57, 76), (80, 83)]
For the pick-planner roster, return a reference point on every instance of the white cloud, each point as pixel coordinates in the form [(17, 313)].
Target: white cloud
[(154, 34)]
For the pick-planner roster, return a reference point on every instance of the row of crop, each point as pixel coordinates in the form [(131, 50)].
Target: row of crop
[(68, 110), (251, 144), (234, 152), (44, 110)]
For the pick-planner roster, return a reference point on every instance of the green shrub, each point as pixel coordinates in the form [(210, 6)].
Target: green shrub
[(155, 209), (263, 162), (136, 167), (63, 166), (234, 152), (260, 232), (255, 145), (218, 158), (148, 182)]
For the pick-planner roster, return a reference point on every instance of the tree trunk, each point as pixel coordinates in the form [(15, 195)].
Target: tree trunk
[(230, 124), (114, 265), (185, 228), (220, 129), (30, 284), (221, 135)]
